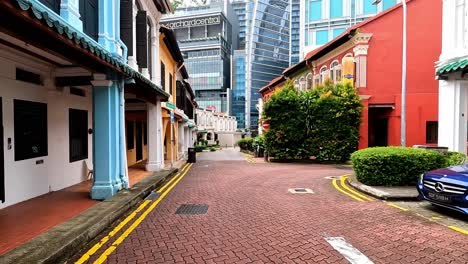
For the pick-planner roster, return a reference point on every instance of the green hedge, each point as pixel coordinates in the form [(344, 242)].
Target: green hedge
[(246, 143), (394, 166), (455, 158), (322, 122), (200, 148)]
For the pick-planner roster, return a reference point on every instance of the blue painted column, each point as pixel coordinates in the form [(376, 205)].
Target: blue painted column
[(107, 145), (108, 24), (70, 11)]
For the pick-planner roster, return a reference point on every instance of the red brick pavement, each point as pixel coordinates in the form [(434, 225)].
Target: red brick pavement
[(253, 218)]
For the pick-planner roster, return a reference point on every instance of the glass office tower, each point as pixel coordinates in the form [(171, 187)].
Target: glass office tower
[(323, 20), (295, 32), (267, 48), (207, 35)]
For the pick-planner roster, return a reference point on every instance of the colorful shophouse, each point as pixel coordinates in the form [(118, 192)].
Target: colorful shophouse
[(63, 84)]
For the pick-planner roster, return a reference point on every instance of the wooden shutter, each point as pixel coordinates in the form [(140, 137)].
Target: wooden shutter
[(89, 10), (141, 39), (54, 5), (126, 24)]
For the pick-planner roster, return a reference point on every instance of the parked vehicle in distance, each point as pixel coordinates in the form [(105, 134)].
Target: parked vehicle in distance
[(447, 187)]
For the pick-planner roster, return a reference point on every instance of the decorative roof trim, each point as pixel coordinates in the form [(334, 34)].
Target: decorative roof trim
[(84, 41)]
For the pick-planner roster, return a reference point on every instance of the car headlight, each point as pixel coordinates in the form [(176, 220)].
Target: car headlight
[(421, 178)]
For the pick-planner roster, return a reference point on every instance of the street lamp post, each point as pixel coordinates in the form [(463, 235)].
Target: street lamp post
[(403, 75)]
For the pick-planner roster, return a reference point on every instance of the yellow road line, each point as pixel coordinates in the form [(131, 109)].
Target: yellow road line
[(98, 245), (173, 179), (137, 222), (463, 231), (348, 194), (103, 240), (344, 185), (396, 206)]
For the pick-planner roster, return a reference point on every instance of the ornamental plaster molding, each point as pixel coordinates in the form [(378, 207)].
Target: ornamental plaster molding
[(360, 50), (360, 38)]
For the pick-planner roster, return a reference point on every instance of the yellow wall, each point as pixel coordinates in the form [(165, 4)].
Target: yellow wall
[(171, 67), (131, 153), (167, 137)]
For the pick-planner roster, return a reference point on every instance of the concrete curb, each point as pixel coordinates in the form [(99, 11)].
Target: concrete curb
[(63, 241), (389, 193)]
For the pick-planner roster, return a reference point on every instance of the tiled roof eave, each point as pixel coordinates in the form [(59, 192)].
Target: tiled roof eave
[(55, 22), (452, 66)]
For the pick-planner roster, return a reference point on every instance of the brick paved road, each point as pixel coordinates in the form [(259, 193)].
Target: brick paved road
[(253, 218)]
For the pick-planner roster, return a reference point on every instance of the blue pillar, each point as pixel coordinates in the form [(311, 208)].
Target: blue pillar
[(70, 11), (106, 138), (108, 24)]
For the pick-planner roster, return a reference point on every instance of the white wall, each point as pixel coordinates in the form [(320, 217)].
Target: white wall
[(25, 179), (453, 114)]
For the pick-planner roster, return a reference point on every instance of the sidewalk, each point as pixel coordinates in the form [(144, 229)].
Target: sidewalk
[(385, 193), (35, 217)]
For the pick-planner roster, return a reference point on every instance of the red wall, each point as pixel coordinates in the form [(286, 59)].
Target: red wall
[(424, 43)]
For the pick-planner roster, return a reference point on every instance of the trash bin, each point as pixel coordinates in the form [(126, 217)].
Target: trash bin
[(192, 155)]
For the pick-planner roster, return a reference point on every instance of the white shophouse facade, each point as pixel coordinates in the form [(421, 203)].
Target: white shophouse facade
[(451, 71), (217, 127)]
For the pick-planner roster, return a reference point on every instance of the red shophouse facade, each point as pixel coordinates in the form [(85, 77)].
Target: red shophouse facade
[(370, 56)]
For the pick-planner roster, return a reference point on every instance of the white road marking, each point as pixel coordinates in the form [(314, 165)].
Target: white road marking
[(352, 254)]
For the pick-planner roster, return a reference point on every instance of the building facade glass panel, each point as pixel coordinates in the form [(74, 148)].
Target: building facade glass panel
[(369, 8), (388, 3), (336, 8)]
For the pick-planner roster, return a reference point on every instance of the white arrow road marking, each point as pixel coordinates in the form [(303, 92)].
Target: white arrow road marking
[(352, 254)]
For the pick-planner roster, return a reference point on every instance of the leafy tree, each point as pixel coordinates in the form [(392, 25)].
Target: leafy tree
[(323, 122), (285, 138), (333, 116), (176, 4)]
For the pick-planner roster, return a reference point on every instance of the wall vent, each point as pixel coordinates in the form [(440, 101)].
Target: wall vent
[(77, 91), (27, 76)]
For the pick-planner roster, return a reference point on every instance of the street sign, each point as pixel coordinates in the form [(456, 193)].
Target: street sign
[(172, 117), (170, 105), (266, 124)]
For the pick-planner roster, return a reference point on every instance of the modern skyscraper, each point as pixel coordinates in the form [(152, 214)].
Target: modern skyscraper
[(323, 20), (295, 45), (207, 36), (264, 34)]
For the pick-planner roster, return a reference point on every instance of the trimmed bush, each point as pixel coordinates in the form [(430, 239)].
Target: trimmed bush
[(285, 139), (200, 148), (246, 144), (455, 158), (322, 122), (212, 149), (394, 166)]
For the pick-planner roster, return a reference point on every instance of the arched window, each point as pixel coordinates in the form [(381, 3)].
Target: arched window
[(296, 84), (348, 68), (323, 74), (302, 84), (335, 72), (309, 81)]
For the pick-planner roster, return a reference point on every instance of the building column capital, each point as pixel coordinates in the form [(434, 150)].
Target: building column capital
[(360, 50)]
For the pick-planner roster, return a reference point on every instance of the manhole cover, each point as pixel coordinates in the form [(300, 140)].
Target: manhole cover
[(192, 209), (300, 190), (333, 177)]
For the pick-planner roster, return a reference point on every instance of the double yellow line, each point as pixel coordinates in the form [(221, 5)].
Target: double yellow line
[(342, 187), (164, 190)]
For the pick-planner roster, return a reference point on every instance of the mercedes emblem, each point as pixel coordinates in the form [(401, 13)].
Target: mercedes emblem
[(439, 187)]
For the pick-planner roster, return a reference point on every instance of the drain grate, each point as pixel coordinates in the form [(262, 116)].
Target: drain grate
[(300, 190), (192, 209), (341, 167)]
